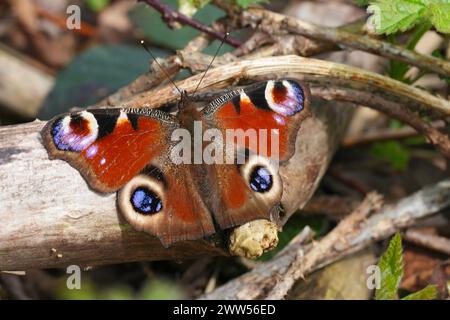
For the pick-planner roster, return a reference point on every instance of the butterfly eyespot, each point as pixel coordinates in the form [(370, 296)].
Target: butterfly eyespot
[(285, 97), (261, 179), (145, 201), (74, 132)]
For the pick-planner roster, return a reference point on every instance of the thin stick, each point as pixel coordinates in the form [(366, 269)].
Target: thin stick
[(396, 110), (170, 15), (429, 241), (275, 23), (385, 135)]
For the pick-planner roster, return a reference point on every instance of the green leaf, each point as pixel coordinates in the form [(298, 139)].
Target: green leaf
[(246, 3), (393, 152), (440, 15), (428, 293), (96, 5), (93, 75), (362, 2), (391, 269), (390, 16)]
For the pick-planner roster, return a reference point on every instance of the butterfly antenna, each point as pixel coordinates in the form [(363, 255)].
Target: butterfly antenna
[(146, 48), (210, 64)]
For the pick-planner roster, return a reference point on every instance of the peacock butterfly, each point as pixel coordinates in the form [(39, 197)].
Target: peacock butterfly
[(129, 151)]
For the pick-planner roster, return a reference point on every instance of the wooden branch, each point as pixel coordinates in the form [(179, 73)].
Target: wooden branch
[(392, 97), (385, 99), (274, 278), (51, 218), (275, 23), (306, 69)]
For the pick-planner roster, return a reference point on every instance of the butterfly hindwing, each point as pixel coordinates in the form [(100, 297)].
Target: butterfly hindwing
[(164, 200)]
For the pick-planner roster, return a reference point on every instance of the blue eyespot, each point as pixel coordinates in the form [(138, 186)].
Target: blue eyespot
[(58, 136), (299, 95), (145, 201), (261, 179), (286, 97)]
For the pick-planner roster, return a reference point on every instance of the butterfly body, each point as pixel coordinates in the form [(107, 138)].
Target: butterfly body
[(186, 176)]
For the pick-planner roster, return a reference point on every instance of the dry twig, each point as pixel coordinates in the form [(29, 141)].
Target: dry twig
[(275, 23), (429, 241), (395, 110), (169, 15), (274, 278), (385, 135)]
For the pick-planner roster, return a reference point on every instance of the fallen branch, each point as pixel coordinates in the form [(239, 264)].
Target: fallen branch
[(144, 82), (273, 279)]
